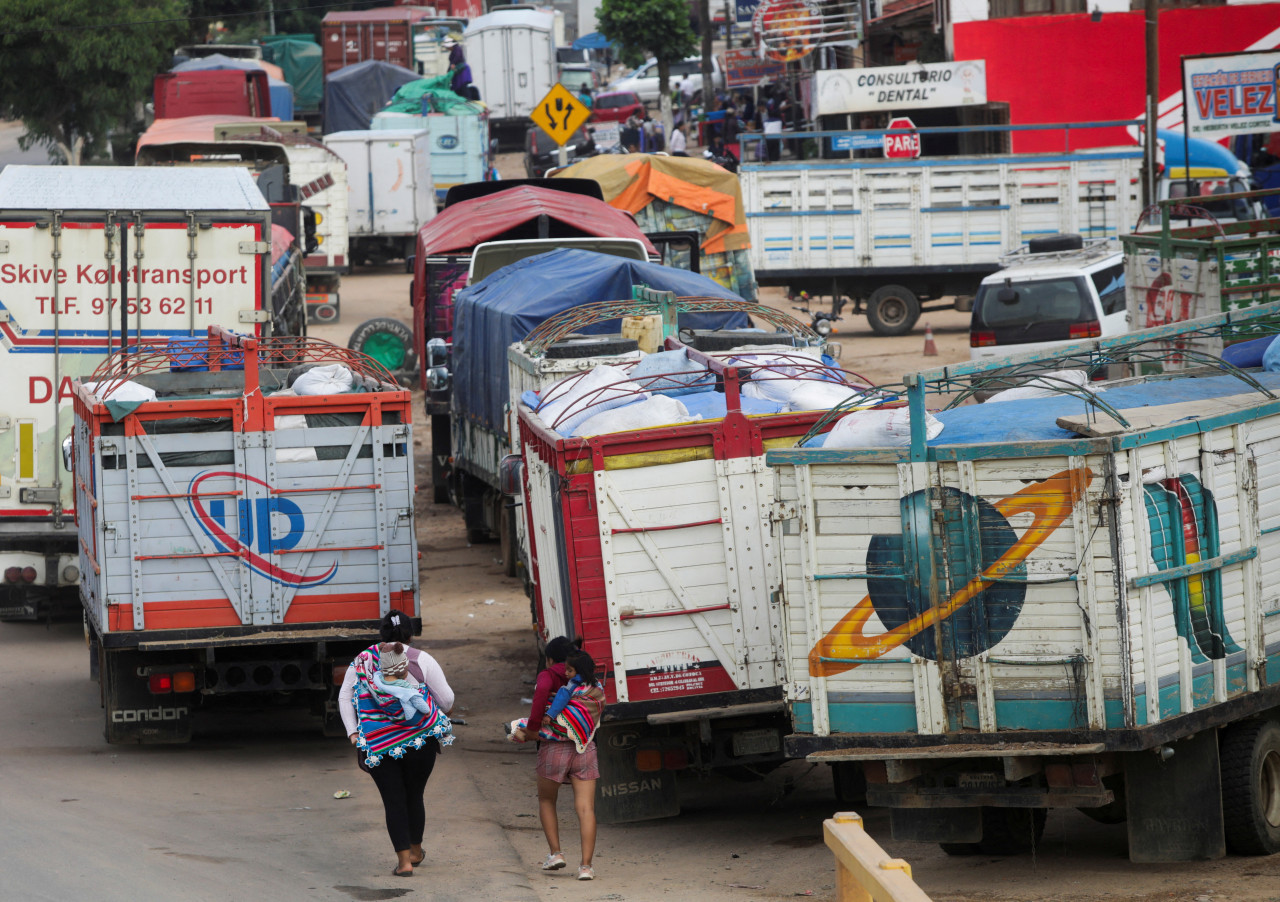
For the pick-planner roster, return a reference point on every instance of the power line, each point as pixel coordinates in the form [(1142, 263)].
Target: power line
[(98, 26)]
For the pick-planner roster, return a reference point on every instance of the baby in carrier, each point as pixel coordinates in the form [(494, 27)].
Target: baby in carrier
[(393, 678)]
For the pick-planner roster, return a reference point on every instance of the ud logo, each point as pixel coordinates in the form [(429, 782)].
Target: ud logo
[(254, 534)]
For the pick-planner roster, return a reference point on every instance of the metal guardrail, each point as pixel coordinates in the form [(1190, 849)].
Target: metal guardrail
[(864, 871)]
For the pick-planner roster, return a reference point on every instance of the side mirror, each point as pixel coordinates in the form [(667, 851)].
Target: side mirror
[(511, 474)]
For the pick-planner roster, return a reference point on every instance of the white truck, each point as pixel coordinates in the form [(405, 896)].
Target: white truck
[(512, 54), (390, 194), (902, 236), (93, 259)]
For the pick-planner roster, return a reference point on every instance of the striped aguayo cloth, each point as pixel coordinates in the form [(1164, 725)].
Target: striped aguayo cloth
[(383, 727), (578, 721)]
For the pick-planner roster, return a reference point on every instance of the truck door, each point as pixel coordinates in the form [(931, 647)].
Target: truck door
[(892, 234)]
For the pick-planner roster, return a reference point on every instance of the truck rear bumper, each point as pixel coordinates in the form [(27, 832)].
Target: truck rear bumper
[(282, 634)]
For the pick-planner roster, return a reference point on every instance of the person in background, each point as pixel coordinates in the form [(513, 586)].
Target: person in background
[(689, 86), (459, 71), (651, 138), (398, 754), (629, 134), (584, 95), (566, 755), (679, 143)]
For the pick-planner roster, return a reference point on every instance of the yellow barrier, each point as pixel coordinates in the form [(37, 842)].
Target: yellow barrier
[(864, 871)]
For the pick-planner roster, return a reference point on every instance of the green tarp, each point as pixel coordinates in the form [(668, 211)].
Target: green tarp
[(435, 90), (300, 57)]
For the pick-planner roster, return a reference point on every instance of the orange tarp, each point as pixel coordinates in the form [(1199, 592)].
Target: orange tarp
[(632, 181)]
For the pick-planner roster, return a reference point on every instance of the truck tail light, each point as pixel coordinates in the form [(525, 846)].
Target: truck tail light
[(1091, 329), (160, 683), (339, 671), (184, 681), (12, 574), (982, 339), (29, 574), (649, 760), (675, 759)]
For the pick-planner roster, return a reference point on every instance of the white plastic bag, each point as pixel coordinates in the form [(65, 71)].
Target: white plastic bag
[(878, 429), (1048, 385), (658, 410), (126, 391), (332, 379), (573, 401)]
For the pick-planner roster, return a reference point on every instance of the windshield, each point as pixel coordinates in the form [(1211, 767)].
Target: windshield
[(577, 79), (1219, 209), (546, 145), (1063, 300)]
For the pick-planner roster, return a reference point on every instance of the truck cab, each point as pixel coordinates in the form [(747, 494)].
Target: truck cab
[(1051, 292)]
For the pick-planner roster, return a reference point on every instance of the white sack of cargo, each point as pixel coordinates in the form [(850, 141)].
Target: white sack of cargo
[(573, 401), (126, 391), (878, 429), (1049, 385), (652, 412), (786, 380), (332, 379)]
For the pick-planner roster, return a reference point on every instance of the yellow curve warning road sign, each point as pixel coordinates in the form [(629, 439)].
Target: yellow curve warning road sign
[(560, 114)]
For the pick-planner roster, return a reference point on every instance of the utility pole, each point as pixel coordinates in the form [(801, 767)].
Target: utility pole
[(271, 14), (708, 85), (1153, 96)]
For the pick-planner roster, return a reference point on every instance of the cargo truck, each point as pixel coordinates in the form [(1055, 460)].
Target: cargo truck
[(95, 259), (239, 540), (899, 236), (1061, 601), (652, 545)]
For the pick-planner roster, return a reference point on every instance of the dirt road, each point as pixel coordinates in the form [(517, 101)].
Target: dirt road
[(247, 811)]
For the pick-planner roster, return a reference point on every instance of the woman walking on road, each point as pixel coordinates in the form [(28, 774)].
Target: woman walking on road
[(398, 752), (566, 750)]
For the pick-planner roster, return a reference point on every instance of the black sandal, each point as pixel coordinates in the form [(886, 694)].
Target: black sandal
[(396, 872)]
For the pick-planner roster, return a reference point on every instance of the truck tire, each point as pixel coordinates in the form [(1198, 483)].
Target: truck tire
[(1005, 831), (892, 310), (1050, 243), (386, 340), (1250, 763), (576, 346)]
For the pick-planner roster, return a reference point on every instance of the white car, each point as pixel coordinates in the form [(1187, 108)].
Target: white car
[(644, 80), (1057, 290)]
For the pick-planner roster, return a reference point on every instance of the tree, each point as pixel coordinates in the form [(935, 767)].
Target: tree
[(643, 28), (74, 70)]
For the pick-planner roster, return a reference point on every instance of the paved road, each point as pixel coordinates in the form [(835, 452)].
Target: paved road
[(11, 153)]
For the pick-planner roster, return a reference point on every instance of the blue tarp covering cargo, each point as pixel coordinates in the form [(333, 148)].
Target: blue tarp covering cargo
[(354, 93), (508, 305)]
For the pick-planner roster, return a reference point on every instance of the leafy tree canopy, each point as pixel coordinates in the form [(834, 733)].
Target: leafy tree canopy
[(74, 70), (645, 28)]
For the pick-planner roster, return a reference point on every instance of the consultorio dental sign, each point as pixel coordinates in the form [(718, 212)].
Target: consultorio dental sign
[(910, 87)]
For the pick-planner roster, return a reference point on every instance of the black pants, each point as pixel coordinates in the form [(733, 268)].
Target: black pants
[(401, 782)]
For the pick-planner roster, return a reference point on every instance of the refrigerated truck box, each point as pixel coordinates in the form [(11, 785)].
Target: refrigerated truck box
[(1028, 616), (186, 248), (459, 145), (237, 538), (390, 194), (513, 60)]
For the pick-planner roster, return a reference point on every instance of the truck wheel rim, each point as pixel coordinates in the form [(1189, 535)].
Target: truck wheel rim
[(385, 348), (1269, 787), (893, 311)]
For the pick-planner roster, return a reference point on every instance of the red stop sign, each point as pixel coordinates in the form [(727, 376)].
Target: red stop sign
[(905, 146)]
